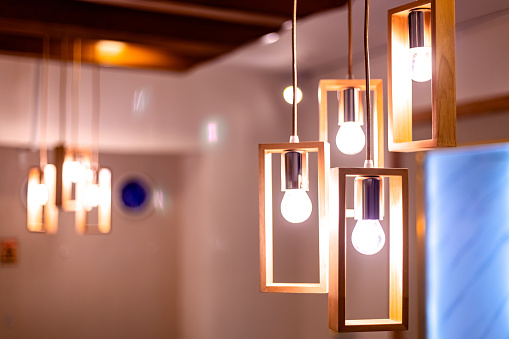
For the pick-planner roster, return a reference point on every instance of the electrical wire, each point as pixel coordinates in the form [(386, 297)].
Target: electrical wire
[(43, 150), (63, 89), (76, 76), (96, 106), (294, 69), (369, 130), (350, 56)]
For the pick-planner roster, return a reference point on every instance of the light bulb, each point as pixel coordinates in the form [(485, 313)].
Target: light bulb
[(73, 171), (288, 94), (38, 195), (92, 196), (350, 138), (296, 206), (421, 63), (368, 237)]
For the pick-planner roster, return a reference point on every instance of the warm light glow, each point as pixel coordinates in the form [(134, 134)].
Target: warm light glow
[(212, 132), (108, 48), (38, 194), (421, 63), (368, 237), (350, 138), (92, 196), (296, 206), (288, 94), (73, 171)]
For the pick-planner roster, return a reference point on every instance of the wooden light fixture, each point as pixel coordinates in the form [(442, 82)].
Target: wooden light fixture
[(398, 232), (376, 85), (266, 151), (437, 23), (94, 193), (294, 182), (82, 186), (42, 214)]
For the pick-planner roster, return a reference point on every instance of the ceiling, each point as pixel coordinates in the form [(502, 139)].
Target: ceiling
[(159, 34)]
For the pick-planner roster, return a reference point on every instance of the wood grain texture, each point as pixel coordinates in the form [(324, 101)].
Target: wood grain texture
[(265, 152), (398, 254), (443, 83), (334, 85)]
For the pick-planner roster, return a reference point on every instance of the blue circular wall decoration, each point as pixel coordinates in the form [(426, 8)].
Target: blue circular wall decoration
[(134, 194)]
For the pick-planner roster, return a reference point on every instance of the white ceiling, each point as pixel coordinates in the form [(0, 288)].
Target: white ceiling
[(322, 38)]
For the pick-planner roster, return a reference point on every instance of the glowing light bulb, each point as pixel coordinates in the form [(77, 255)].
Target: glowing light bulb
[(92, 196), (288, 94), (421, 63), (73, 171), (38, 195), (350, 138), (296, 206), (368, 237)]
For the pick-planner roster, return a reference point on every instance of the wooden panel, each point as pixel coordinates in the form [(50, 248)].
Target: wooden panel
[(444, 73), (83, 226), (398, 254), (181, 34), (376, 85), (42, 218), (265, 152), (443, 98)]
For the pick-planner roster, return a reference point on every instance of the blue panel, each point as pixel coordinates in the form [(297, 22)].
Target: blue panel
[(467, 243)]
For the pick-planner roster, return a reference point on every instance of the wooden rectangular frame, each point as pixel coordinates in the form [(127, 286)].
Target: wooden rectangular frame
[(265, 152), (376, 85), (103, 209), (64, 185), (398, 284), (42, 218), (443, 82)]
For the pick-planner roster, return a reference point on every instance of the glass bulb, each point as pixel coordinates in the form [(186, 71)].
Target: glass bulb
[(350, 138), (73, 171), (92, 196), (421, 63), (368, 237), (38, 195), (296, 206), (288, 94)]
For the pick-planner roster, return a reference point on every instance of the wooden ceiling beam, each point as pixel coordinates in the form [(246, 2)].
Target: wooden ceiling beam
[(199, 11)]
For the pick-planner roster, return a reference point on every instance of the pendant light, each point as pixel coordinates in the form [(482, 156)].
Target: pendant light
[(368, 237), (350, 138), (94, 191), (42, 214), (85, 187), (421, 47), (296, 206), (71, 161)]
